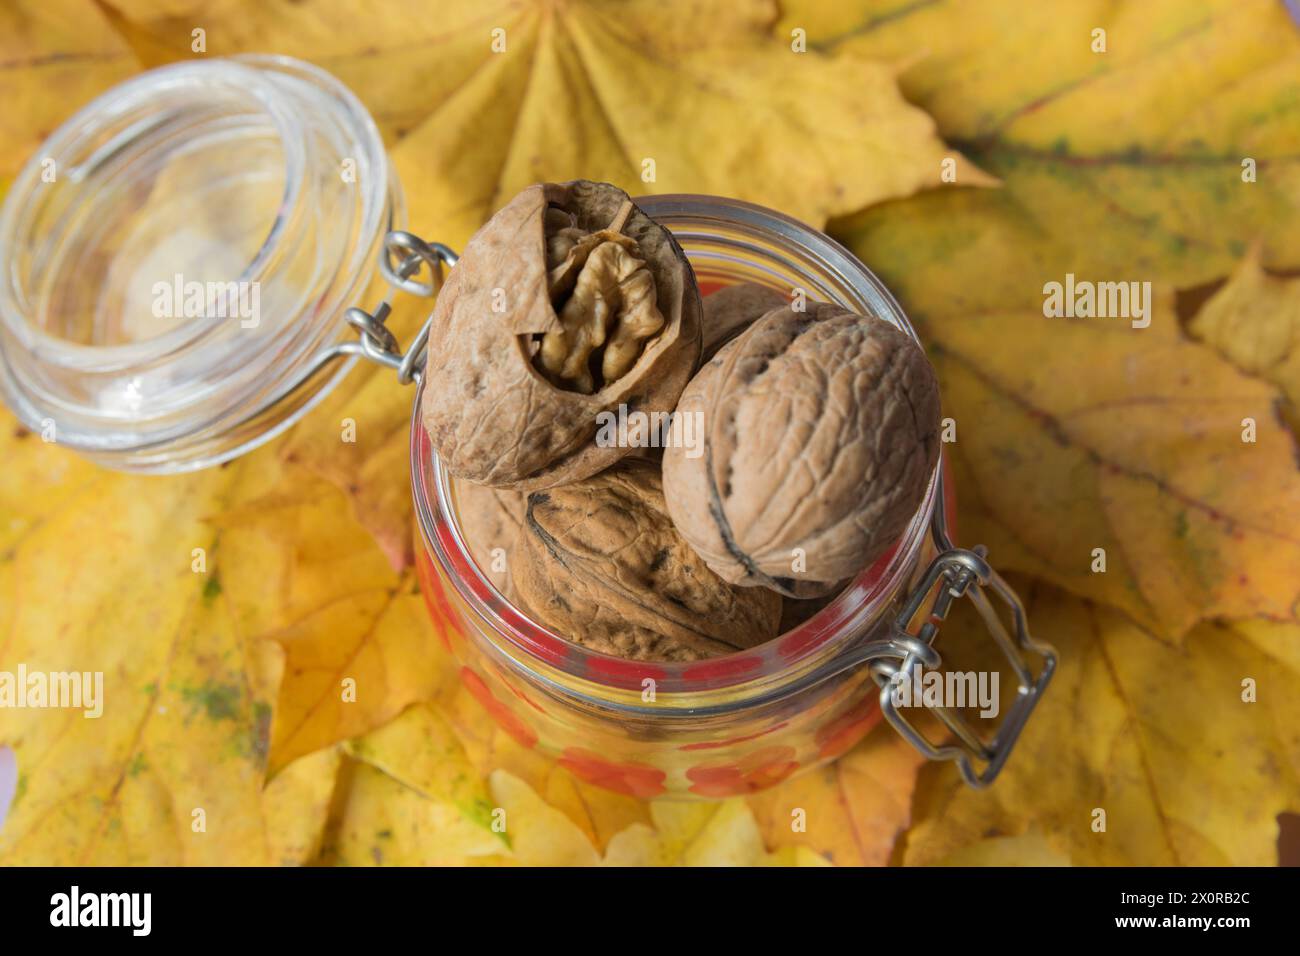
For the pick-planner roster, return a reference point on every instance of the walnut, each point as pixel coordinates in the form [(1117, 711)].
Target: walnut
[(729, 311), (820, 437), (600, 562), (569, 302), (490, 519)]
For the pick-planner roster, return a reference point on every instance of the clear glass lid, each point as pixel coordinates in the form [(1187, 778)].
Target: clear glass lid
[(180, 253)]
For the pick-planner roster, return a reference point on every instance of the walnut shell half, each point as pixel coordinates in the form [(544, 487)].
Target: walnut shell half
[(820, 435), (568, 303), (600, 562)]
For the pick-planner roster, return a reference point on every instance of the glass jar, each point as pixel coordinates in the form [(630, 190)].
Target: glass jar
[(266, 174), (715, 727)]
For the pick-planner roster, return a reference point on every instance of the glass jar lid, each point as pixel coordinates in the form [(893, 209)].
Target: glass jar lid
[(180, 254)]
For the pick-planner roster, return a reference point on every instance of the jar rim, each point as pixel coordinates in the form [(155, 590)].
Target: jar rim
[(205, 77), (196, 393), (805, 655)]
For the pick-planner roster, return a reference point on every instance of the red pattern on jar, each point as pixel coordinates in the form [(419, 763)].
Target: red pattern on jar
[(625, 673), (763, 768), (435, 601), (631, 779), (840, 735), (510, 686), (732, 665), (505, 718), (730, 742)]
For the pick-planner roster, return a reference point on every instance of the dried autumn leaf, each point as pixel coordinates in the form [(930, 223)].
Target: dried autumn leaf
[(1161, 738), (1073, 436), (413, 798), (539, 834), (356, 642), (1133, 159), (648, 104), (420, 749), (1030, 849), (720, 833), (193, 693), (682, 834), (57, 55), (186, 705), (597, 812), (297, 806), (853, 810), (1048, 461), (385, 823), (1254, 321), (378, 414)]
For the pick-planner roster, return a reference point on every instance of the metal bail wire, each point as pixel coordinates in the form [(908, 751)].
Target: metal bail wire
[(955, 573), (403, 256)]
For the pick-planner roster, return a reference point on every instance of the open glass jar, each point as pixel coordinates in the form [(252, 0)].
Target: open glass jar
[(202, 182)]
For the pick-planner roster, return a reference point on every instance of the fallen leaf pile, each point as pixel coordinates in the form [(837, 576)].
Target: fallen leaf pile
[(1171, 158)]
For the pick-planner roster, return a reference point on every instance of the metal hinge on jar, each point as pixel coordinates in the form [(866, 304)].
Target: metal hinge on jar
[(955, 573), (404, 255)]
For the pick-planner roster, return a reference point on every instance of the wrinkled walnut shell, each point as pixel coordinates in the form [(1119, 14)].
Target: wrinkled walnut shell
[(490, 519), (599, 562), (492, 415), (821, 434), (730, 311)]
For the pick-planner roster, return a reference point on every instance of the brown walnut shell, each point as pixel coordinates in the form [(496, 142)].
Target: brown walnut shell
[(490, 519), (599, 562), (730, 311), (820, 436), (492, 415)]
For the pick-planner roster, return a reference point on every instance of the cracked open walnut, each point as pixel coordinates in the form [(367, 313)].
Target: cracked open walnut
[(568, 303)]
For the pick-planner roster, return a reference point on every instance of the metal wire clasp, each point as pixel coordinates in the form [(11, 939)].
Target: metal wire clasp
[(403, 256), (955, 573)]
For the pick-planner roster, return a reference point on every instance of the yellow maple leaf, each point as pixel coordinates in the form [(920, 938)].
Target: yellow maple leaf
[(721, 833), (384, 823), (172, 769), (1088, 451), (1254, 321), (652, 96), (1133, 158), (850, 812), (296, 806), (708, 833), (223, 611), (1142, 753), (57, 55)]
